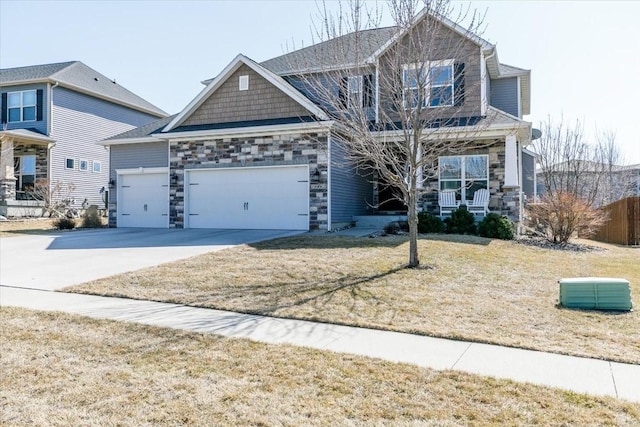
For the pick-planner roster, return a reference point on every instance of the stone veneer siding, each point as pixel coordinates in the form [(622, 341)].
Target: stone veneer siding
[(267, 150), (503, 201)]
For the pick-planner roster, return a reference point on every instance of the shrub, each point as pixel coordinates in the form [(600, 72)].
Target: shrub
[(91, 218), (64, 223), (461, 222), (392, 228), (496, 226), (429, 223), (560, 215)]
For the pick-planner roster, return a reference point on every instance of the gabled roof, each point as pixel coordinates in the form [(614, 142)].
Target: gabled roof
[(79, 77), (272, 78), (143, 131), (306, 60)]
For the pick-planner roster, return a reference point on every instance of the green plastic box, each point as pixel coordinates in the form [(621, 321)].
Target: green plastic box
[(595, 293)]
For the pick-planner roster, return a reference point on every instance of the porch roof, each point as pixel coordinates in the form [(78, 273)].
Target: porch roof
[(26, 136)]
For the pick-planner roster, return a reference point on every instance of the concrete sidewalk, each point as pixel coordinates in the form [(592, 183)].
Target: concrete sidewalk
[(582, 375)]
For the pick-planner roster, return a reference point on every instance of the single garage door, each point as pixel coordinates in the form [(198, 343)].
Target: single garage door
[(275, 198), (143, 200)]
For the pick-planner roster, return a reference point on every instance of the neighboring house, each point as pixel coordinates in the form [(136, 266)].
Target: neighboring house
[(52, 117), (256, 150)]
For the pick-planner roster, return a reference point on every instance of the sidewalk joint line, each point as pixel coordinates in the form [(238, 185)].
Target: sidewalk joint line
[(27, 288), (613, 378), (461, 356)]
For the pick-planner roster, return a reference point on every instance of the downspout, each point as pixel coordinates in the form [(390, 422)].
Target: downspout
[(521, 192), (49, 117), (329, 142)]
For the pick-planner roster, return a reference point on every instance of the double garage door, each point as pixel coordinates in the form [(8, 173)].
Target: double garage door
[(232, 198)]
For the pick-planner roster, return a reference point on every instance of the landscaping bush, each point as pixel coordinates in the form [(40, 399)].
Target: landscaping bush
[(91, 218), (64, 223), (496, 226), (392, 228), (429, 223), (461, 222)]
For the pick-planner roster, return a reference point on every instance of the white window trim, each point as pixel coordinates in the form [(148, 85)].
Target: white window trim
[(426, 67), (463, 180), (86, 165), (355, 86), (23, 106), (243, 82), (66, 164), (95, 163)]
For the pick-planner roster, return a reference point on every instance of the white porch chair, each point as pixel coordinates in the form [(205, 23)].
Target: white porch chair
[(480, 203), (447, 201)]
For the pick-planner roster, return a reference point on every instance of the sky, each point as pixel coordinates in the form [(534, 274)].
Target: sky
[(584, 56)]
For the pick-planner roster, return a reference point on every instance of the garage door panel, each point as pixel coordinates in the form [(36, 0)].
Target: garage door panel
[(144, 201), (267, 198)]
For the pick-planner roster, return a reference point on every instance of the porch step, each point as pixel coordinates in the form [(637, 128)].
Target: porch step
[(377, 221)]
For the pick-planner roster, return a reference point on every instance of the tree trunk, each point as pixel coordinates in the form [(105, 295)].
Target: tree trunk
[(412, 219)]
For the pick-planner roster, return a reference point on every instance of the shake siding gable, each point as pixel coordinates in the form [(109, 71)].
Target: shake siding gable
[(78, 122), (260, 102)]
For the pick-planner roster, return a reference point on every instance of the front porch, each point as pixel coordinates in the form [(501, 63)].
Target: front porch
[(24, 165)]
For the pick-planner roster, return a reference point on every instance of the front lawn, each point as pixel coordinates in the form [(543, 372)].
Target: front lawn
[(469, 288), (60, 369)]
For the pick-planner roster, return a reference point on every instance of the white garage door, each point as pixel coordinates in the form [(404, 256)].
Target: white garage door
[(275, 198), (143, 200)]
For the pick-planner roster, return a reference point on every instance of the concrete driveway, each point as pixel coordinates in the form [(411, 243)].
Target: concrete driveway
[(54, 261)]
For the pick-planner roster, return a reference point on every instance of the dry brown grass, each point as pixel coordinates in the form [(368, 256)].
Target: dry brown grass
[(68, 370), (475, 289), (27, 226)]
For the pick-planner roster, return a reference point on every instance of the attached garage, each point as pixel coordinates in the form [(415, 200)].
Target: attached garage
[(275, 197), (143, 198)]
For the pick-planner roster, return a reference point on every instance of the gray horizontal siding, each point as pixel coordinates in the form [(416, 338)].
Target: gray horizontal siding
[(351, 193), (504, 95), (129, 156), (42, 125), (78, 122)]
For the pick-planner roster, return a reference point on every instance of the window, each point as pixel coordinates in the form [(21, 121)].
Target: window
[(21, 106), (468, 173), (97, 166), (83, 165), (243, 82), (356, 91), (430, 84), (69, 163), (25, 172)]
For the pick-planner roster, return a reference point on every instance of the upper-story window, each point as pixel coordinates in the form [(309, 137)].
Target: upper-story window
[(21, 106), (430, 84), (356, 91)]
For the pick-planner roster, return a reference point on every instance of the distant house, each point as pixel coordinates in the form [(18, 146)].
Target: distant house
[(52, 117), (256, 149)]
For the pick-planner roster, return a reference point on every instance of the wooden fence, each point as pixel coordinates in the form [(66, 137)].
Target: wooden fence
[(623, 226)]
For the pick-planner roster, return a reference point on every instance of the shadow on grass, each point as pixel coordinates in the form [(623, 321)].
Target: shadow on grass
[(328, 241)]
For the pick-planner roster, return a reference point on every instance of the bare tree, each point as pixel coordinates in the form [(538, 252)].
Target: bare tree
[(399, 105)]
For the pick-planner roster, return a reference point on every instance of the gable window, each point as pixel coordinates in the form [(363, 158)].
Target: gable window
[(25, 172), (69, 163), (21, 106), (243, 82), (464, 174), (428, 85), (96, 166)]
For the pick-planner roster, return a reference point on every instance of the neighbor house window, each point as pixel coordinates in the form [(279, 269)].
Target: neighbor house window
[(25, 172), (69, 163), (430, 84), (97, 166), (464, 174), (83, 165), (21, 106)]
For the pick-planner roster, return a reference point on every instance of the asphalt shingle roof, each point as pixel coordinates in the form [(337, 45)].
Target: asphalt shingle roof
[(77, 75), (143, 131), (332, 53)]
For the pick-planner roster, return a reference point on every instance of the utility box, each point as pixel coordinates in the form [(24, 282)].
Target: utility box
[(595, 293)]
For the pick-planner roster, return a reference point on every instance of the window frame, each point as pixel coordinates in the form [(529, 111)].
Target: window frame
[(66, 163), (18, 172), (420, 79), (466, 183), (95, 163), (84, 162), (21, 108), (355, 91)]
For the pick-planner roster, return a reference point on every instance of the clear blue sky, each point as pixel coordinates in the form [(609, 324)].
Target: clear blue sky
[(584, 56)]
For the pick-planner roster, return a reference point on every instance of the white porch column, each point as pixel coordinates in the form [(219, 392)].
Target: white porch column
[(7, 177), (511, 162)]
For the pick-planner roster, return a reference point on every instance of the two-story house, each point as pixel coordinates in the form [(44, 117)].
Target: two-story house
[(52, 117), (257, 148)]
